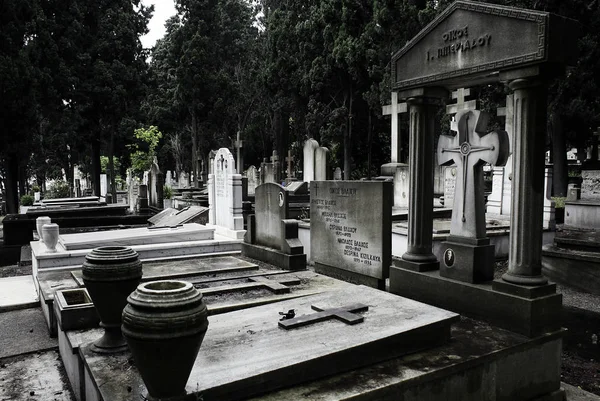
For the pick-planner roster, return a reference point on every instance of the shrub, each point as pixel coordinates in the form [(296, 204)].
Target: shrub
[(559, 202), (60, 189), (26, 200), (167, 192)]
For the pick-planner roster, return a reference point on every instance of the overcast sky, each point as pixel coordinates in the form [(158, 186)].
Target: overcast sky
[(163, 9)]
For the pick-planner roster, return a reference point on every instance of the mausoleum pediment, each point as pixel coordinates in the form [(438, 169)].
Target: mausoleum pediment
[(472, 39)]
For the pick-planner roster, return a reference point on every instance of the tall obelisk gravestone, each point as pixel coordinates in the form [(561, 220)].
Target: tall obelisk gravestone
[(467, 254)]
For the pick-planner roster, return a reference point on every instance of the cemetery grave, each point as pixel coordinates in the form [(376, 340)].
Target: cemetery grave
[(273, 329)]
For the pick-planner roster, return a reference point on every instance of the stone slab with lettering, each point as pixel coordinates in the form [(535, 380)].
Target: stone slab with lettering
[(401, 186), (351, 229), (449, 186), (225, 196), (281, 358), (472, 39)]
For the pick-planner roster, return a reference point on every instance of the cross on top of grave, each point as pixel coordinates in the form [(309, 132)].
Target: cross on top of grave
[(275, 157), (346, 314), (460, 94), (469, 150), (394, 109), (239, 144), (222, 162), (289, 159)]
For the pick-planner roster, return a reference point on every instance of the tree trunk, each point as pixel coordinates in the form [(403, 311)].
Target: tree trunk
[(22, 172), (12, 171), (111, 167), (348, 141), (96, 166), (559, 156), (194, 148)]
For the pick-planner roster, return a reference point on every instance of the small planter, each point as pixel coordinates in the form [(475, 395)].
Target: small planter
[(110, 274), (164, 324), (75, 310)]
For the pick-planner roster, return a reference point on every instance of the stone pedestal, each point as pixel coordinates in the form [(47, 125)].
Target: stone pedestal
[(470, 261)]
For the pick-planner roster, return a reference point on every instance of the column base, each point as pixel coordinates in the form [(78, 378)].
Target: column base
[(416, 266), (471, 263), (524, 280)]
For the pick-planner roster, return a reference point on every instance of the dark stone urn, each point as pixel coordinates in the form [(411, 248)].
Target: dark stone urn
[(110, 274), (164, 324)]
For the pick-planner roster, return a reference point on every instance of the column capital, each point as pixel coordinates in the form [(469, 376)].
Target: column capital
[(523, 83), (426, 95)]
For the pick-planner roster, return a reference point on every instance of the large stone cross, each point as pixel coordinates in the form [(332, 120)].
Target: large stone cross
[(239, 144), (289, 159), (469, 150), (346, 314), (394, 109), (461, 104)]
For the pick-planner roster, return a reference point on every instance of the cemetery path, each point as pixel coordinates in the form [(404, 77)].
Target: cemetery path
[(24, 331)]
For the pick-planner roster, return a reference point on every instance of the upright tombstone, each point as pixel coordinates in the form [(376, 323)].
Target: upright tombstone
[(467, 254), (322, 172), (155, 185), (350, 224), (337, 174), (289, 160), (225, 197), (272, 236), (549, 219), (253, 181), (474, 43), (308, 170), (103, 185), (500, 198), (184, 180), (394, 110)]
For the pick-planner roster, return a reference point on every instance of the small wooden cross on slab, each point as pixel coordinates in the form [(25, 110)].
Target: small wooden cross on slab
[(346, 314)]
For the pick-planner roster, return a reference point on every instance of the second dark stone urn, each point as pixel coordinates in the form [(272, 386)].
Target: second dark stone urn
[(164, 324), (110, 274)]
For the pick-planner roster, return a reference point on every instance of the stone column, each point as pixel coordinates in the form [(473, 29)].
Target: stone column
[(420, 210), (525, 241)]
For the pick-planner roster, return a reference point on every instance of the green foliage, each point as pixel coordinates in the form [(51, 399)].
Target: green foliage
[(559, 202), (59, 189), (167, 192), (144, 149), (26, 200)]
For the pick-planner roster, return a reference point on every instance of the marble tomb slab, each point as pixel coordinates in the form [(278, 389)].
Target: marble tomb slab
[(246, 352), (180, 269), (136, 236), (172, 217)]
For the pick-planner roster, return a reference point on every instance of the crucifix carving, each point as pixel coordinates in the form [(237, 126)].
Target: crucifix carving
[(289, 159), (346, 314), (469, 150), (277, 286), (393, 110)]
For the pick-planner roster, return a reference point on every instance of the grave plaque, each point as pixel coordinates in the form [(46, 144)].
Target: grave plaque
[(351, 229), (449, 186)]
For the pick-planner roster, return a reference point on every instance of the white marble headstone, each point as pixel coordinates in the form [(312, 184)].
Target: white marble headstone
[(225, 196), (321, 163), (252, 175), (308, 169)]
